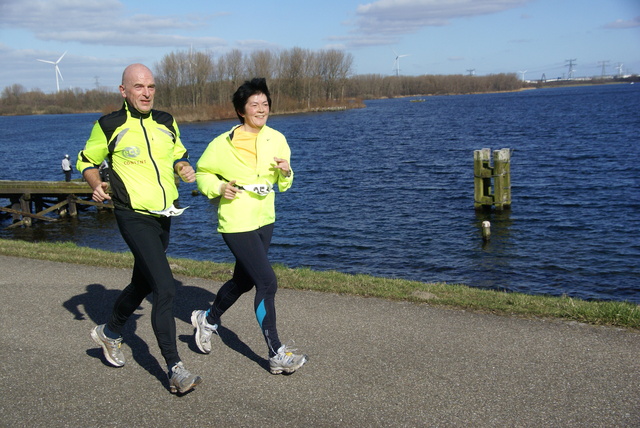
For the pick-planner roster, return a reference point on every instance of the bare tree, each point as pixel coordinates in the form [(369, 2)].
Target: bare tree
[(167, 76), (199, 69), (261, 63), (291, 73), (235, 70), (335, 68)]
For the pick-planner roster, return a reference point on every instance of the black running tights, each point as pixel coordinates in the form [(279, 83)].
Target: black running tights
[(148, 237), (252, 269)]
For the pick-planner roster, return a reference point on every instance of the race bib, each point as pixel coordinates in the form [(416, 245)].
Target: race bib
[(258, 189), (170, 212)]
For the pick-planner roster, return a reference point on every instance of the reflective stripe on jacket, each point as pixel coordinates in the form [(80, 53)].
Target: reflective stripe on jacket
[(142, 150)]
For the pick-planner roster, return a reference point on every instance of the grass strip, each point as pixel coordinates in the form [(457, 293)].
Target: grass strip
[(607, 313)]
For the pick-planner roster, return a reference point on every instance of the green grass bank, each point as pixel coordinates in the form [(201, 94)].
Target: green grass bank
[(618, 314)]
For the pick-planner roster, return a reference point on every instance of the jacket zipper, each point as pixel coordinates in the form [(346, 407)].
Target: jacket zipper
[(155, 165)]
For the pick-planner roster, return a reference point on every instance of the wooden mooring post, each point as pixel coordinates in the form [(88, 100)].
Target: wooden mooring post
[(492, 184)]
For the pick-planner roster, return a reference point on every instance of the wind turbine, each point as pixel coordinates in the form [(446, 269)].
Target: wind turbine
[(396, 63), (56, 69), (522, 74)]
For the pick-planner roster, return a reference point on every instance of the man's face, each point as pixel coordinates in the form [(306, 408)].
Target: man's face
[(139, 88)]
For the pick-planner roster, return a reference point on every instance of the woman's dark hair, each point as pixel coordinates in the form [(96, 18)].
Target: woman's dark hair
[(255, 86)]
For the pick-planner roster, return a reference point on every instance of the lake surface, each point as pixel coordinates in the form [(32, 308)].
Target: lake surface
[(388, 190)]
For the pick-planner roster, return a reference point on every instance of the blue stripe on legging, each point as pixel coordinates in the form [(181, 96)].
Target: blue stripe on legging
[(261, 312)]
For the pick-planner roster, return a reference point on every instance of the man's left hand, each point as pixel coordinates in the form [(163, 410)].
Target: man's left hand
[(186, 172)]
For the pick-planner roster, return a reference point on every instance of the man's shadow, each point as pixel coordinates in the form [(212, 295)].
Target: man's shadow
[(188, 299), (97, 303)]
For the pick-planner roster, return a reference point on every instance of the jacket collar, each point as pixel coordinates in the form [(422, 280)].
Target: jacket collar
[(230, 136), (134, 112)]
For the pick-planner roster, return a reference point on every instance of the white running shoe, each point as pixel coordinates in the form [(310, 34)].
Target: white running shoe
[(286, 361), (204, 330), (181, 380), (110, 347)]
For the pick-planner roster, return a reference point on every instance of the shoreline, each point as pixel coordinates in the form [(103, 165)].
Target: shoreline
[(348, 104), (454, 296)]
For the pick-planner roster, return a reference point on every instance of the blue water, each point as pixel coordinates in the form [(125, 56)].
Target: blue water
[(388, 190)]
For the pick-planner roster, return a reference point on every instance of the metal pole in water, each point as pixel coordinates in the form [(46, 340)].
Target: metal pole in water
[(486, 230)]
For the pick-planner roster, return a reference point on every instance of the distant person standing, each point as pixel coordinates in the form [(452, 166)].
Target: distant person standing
[(67, 168), (144, 151)]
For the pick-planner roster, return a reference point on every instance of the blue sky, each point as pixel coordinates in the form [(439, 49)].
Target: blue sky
[(437, 36)]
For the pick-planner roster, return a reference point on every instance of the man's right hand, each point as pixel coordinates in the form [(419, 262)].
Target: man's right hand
[(100, 192)]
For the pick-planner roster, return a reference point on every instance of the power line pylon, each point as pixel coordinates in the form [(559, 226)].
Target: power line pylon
[(571, 64)]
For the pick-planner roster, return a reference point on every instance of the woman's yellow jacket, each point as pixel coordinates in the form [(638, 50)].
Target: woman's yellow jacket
[(221, 162)]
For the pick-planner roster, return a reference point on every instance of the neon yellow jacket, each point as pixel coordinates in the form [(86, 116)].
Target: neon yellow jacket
[(142, 150), (221, 162)]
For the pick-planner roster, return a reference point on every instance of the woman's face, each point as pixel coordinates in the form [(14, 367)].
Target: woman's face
[(256, 112)]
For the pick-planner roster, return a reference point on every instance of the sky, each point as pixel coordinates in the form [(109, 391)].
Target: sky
[(529, 37)]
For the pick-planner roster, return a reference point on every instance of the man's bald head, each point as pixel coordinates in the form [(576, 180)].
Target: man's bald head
[(138, 87), (133, 70)]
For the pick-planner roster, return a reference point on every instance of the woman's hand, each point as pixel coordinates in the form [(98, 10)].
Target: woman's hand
[(283, 166), (229, 190)]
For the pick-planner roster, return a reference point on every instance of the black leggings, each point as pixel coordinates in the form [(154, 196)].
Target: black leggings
[(252, 269), (148, 238)]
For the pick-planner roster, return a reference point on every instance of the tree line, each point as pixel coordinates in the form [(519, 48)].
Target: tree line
[(299, 79), (198, 86)]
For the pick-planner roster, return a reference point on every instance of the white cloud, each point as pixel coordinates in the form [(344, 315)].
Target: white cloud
[(103, 22), (624, 23), (395, 17)]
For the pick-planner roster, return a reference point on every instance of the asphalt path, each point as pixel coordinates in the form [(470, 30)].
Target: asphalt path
[(373, 362)]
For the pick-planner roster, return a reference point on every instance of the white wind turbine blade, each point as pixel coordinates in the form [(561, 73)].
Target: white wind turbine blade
[(48, 62), (396, 63), (58, 72), (59, 59), (395, 59)]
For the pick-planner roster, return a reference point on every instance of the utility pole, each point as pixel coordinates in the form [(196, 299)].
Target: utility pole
[(571, 64), (603, 63)]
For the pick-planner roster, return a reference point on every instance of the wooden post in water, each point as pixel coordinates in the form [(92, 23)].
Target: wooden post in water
[(25, 206), (482, 178), (501, 178), (73, 209), (484, 174)]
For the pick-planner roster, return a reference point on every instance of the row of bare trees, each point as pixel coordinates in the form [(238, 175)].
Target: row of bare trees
[(16, 100), (373, 86), (298, 78), (198, 86)]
